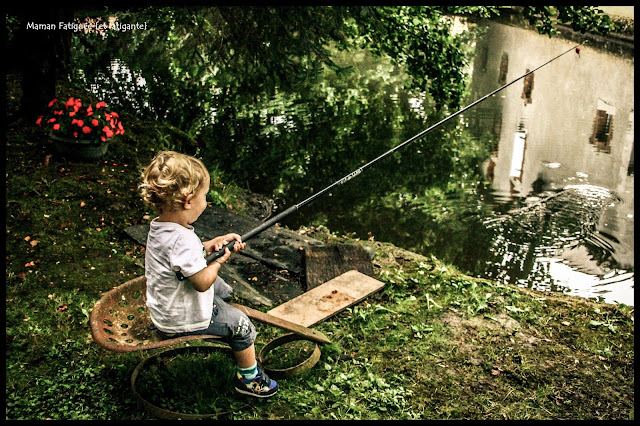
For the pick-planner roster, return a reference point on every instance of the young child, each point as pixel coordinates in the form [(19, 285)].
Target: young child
[(177, 186)]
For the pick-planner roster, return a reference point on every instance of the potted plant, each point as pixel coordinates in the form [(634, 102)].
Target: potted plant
[(81, 130)]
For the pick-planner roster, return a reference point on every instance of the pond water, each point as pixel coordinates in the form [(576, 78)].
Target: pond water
[(573, 128), (556, 210)]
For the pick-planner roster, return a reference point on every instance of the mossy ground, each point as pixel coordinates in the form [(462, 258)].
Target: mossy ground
[(433, 344)]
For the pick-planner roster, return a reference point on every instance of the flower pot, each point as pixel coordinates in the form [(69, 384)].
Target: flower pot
[(78, 148)]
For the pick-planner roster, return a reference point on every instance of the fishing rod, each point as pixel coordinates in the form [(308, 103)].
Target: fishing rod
[(277, 218)]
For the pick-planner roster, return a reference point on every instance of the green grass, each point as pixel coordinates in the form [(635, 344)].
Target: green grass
[(433, 344)]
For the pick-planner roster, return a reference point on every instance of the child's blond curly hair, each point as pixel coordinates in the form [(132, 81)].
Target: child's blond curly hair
[(170, 178)]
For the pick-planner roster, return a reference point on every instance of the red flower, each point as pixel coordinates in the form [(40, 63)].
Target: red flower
[(107, 131), (74, 118)]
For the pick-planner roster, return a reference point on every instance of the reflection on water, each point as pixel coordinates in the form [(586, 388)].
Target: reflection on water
[(572, 123), (529, 242), (552, 209), (558, 212)]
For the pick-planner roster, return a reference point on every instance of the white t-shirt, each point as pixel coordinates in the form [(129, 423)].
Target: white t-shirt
[(174, 305)]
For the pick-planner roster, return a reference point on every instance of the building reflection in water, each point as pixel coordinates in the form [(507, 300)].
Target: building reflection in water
[(568, 125)]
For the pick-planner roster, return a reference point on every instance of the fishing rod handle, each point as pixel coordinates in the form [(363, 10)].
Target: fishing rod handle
[(252, 233)]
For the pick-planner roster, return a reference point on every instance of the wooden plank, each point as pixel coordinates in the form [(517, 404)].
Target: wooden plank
[(323, 263), (312, 335), (327, 299)]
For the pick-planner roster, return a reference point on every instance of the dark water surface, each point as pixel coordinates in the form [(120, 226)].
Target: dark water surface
[(571, 128), (555, 211)]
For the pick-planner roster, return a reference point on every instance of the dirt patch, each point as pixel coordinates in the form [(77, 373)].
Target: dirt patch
[(466, 330)]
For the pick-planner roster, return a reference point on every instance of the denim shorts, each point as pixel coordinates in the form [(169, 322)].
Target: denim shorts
[(233, 325)]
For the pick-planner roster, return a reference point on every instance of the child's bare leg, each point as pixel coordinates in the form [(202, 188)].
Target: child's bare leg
[(249, 379), (246, 358)]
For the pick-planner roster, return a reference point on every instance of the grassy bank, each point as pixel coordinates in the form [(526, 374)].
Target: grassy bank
[(433, 344)]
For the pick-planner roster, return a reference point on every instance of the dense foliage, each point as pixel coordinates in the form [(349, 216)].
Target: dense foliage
[(226, 75), (285, 100), (196, 59)]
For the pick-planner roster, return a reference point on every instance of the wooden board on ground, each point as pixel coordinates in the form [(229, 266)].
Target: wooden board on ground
[(312, 335), (323, 263), (327, 299)]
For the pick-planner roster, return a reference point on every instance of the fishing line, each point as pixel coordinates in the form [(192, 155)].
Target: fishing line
[(277, 218)]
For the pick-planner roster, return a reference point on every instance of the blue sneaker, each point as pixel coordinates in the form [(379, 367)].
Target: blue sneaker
[(260, 386)]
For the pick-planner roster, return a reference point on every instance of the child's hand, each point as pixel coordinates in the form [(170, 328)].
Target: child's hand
[(222, 259), (239, 245), (223, 241), (219, 242)]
